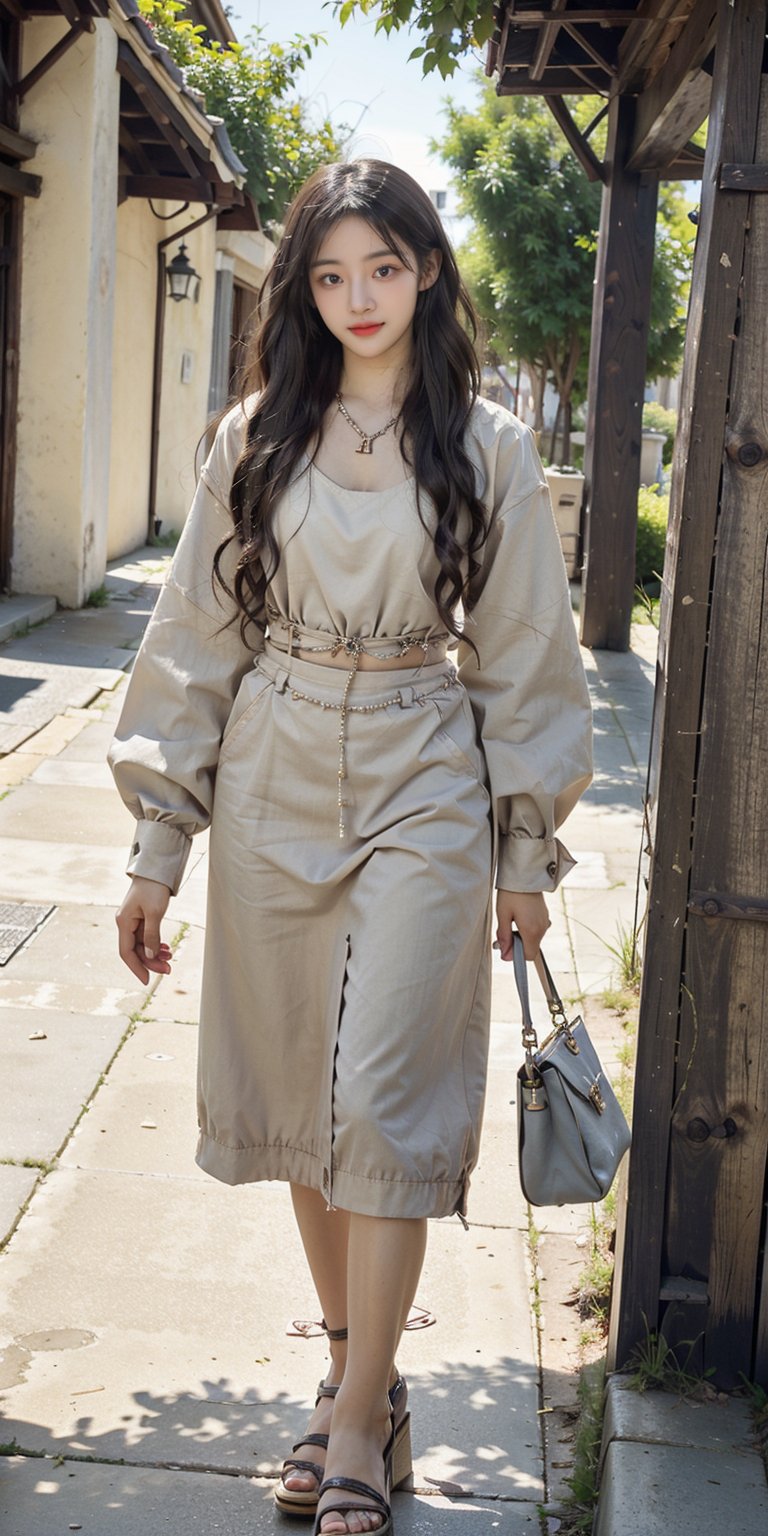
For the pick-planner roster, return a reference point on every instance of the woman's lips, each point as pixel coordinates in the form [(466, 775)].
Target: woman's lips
[(366, 330)]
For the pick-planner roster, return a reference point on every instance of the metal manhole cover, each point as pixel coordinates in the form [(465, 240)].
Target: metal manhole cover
[(18, 920)]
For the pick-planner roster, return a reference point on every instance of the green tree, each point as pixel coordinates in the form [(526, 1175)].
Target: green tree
[(530, 253), (251, 86), (449, 27)]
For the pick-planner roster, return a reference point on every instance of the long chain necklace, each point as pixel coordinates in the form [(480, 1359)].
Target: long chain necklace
[(368, 438)]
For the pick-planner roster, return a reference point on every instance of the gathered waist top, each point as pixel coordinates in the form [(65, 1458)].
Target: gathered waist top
[(356, 573)]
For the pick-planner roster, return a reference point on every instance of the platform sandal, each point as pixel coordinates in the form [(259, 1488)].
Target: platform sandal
[(303, 1501), (398, 1466)]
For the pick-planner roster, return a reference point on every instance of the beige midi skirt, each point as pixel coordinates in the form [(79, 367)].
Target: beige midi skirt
[(346, 984)]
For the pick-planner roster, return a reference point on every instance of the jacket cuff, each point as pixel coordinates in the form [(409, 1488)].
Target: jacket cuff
[(159, 851), (531, 863)]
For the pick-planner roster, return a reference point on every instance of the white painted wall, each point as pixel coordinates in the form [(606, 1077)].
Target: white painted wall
[(65, 353), (138, 232), (184, 406)]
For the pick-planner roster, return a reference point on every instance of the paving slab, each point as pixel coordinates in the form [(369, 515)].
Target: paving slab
[(19, 611), (143, 1119), (156, 1335), (660, 1489), (66, 813), (76, 773), (46, 1082), (40, 1499), (16, 1186), (57, 734), (92, 743), (62, 871)]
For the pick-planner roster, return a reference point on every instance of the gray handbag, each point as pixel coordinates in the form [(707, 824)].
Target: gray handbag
[(572, 1133)]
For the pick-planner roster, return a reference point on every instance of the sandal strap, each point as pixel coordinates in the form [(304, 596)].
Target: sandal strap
[(324, 1391), (351, 1485), (299, 1465), (334, 1333), (319, 1440)]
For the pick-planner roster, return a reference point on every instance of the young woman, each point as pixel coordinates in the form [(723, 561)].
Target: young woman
[(360, 513)]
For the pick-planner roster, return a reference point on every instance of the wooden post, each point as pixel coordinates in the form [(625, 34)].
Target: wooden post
[(689, 1237), (620, 318), (716, 1182)]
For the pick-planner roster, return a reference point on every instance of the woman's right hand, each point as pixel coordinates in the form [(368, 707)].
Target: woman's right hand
[(138, 925)]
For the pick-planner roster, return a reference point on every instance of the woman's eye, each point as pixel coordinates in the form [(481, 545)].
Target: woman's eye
[(329, 279), (385, 270)]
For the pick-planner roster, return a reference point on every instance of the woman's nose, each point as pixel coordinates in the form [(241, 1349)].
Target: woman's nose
[(361, 298)]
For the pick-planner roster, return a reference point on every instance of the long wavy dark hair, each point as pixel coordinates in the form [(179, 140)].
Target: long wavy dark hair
[(295, 371)]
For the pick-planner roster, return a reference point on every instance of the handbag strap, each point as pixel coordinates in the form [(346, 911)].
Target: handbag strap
[(554, 1004)]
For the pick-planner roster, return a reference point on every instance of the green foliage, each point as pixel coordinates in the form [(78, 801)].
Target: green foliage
[(250, 85), (529, 258), (98, 598), (580, 1510), (529, 202), (656, 418), (655, 1364), (449, 27), (652, 518)]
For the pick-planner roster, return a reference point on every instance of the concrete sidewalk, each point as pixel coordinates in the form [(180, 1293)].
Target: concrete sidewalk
[(147, 1312)]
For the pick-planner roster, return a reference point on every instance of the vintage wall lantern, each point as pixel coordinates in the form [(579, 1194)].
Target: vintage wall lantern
[(183, 280)]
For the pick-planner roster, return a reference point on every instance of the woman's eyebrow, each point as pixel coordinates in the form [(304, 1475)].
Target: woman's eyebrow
[(336, 261)]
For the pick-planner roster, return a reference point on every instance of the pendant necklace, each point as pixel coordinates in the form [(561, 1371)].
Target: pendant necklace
[(368, 438)]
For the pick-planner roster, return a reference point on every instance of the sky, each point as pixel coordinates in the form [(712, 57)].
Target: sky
[(367, 82)]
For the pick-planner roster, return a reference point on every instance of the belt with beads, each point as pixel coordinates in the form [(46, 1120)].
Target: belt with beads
[(289, 636)]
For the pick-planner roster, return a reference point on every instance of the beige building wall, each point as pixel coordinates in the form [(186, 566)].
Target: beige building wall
[(65, 352)]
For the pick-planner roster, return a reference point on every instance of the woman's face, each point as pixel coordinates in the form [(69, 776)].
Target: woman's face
[(363, 292)]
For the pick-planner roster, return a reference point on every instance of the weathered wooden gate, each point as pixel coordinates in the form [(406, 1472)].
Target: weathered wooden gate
[(692, 1258), (692, 1238)]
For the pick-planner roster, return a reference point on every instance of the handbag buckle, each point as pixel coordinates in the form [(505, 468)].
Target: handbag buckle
[(533, 1084), (596, 1098)]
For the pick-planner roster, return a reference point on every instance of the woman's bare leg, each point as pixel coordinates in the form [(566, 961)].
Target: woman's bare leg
[(385, 1257), (325, 1236)]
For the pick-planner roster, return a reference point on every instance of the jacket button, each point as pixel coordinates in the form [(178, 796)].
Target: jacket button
[(552, 870)]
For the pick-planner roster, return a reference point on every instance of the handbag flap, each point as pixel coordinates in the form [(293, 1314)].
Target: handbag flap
[(581, 1068)]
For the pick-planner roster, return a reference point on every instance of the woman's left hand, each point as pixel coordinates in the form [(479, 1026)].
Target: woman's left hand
[(527, 910)]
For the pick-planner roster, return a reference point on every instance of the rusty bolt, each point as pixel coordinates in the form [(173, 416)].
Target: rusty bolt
[(711, 908)]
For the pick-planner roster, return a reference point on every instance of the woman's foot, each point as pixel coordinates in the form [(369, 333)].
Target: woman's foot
[(300, 1479), (355, 1452)]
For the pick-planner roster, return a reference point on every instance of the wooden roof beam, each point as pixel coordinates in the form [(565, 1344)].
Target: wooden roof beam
[(546, 42), (591, 52), (676, 102), (584, 153), (641, 38)]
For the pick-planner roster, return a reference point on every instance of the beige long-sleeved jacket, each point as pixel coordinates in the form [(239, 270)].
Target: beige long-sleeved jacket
[(358, 568)]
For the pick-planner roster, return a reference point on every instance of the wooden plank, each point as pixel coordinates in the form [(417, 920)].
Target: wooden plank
[(184, 189), (676, 102), (589, 49), (130, 68), (716, 1194), (682, 641), (545, 43), (19, 183), (584, 153), (16, 145), (744, 178), (620, 320), (85, 24), (558, 82), (640, 42)]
